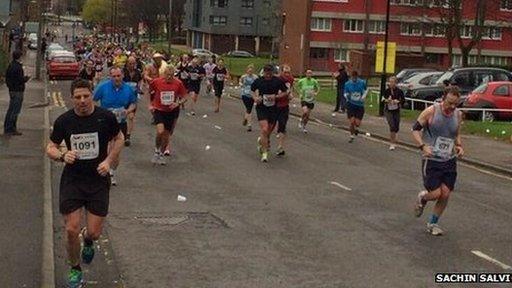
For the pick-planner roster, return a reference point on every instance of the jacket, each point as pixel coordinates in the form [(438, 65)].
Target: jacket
[(15, 77)]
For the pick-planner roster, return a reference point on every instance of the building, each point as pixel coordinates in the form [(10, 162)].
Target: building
[(323, 33), (224, 25), (5, 18)]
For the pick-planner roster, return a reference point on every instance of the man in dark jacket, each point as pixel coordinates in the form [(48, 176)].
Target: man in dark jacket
[(341, 78), (15, 79)]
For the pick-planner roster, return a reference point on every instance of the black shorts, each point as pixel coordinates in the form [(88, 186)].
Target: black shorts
[(249, 103), (307, 104), (194, 88), (436, 173), (91, 192), (282, 118), (355, 111), (167, 118), (218, 90), (266, 113), (393, 118)]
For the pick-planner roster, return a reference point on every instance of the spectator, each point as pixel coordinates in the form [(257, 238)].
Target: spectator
[(15, 79), (393, 97), (341, 78)]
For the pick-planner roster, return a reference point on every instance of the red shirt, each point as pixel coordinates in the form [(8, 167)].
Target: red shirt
[(288, 80), (166, 93)]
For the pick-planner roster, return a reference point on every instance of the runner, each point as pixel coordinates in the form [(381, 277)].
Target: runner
[(118, 97), (265, 92), (208, 68), (437, 134), (88, 72), (355, 93), (181, 70), (168, 94), (87, 131), (393, 97), (220, 75), (151, 72), (308, 88), (132, 77), (195, 77), (283, 109), (245, 83), (120, 58)]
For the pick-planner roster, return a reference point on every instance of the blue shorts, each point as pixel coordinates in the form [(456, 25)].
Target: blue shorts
[(436, 173)]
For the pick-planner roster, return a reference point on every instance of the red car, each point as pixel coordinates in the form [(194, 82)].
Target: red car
[(63, 65), (496, 95)]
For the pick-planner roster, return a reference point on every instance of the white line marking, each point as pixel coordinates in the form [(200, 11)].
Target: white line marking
[(492, 260), (340, 186)]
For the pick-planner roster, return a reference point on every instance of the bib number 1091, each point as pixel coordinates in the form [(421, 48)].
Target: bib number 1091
[(86, 145)]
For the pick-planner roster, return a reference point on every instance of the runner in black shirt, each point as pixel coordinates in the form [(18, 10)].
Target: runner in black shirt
[(133, 77), (195, 76), (220, 75), (85, 182), (88, 72), (265, 92)]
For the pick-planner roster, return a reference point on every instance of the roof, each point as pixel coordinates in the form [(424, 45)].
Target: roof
[(4, 20), (5, 10)]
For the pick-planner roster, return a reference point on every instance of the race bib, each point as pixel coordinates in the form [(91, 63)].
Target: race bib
[(443, 147), (86, 145), (99, 67), (120, 114), (392, 106), (167, 97), (220, 77), (194, 76), (267, 101), (246, 90)]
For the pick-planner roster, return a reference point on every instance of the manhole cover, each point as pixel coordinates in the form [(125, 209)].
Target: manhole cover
[(199, 220)]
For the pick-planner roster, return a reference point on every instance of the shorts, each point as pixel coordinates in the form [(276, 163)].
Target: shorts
[(265, 113), (307, 104), (194, 88), (436, 173), (248, 103), (282, 118), (167, 118), (91, 192), (218, 90), (354, 111), (393, 118)]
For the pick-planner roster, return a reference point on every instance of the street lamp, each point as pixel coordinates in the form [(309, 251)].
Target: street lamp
[(169, 29), (383, 77)]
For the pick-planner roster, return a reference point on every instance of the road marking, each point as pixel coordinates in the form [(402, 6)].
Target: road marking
[(48, 267), (492, 260), (340, 186)]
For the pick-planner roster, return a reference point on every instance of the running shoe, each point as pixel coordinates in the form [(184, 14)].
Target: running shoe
[(304, 130), (193, 113), (127, 142), (280, 152), (167, 152), (351, 139), (434, 229), (300, 124), (244, 123), (249, 128), (113, 180), (333, 114), (87, 253), (264, 157), (156, 157), (260, 148), (420, 203), (75, 278), (161, 160), (392, 147)]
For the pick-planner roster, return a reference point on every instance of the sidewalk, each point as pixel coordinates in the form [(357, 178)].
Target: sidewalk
[(479, 151)]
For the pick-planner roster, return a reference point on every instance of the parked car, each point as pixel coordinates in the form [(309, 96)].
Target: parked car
[(418, 80), (493, 95), (467, 79), (53, 47), (32, 41), (63, 66), (406, 73), (203, 53), (240, 54)]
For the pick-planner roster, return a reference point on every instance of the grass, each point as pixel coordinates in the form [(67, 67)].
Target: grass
[(495, 130), (237, 66)]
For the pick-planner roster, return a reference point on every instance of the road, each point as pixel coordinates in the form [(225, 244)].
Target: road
[(286, 223)]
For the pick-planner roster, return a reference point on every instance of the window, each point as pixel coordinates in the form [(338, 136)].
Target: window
[(456, 60), (249, 4), (265, 21), (219, 3), (501, 76), (466, 32), (462, 79), (480, 77), (506, 5), (407, 2), (494, 60), (218, 20), (320, 24), (377, 27), (491, 33), (341, 55), (432, 58), (411, 29), (501, 91), (246, 21), (353, 26), (436, 30), (318, 53)]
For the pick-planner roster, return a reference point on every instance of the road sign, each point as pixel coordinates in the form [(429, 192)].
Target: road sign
[(390, 60)]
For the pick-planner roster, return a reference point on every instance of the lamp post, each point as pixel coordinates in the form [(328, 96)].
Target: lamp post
[(169, 29), (385, 59)]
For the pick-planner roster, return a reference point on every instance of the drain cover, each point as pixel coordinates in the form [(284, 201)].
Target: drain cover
[(163, 220), (199, 220)]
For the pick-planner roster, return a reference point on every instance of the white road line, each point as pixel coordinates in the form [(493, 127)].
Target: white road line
[(48, 267), (492, 260), (340, 186)]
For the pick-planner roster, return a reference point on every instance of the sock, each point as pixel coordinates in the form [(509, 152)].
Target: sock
[(77, 267), (87, 241), (434, 219)]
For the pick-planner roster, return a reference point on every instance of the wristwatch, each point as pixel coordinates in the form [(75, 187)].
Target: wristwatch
[(61, 157)]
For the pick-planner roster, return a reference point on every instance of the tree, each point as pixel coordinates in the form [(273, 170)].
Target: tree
[(96, 11)]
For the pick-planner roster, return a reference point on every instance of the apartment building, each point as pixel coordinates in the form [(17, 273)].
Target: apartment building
[(324, 33), (224, 25)]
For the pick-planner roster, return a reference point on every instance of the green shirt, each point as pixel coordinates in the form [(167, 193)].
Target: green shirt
[(307, 88)]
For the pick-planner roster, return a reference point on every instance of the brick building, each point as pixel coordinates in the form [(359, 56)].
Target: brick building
[(225, 25), (322, 33)]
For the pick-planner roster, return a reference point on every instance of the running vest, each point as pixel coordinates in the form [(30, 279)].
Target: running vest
[(440, 134), (246, 85)]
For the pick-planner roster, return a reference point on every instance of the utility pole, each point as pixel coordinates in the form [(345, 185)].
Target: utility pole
[(384, 66), (169, 29), (39, 56)]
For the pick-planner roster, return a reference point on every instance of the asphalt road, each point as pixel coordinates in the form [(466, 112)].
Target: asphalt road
[(283, 223)]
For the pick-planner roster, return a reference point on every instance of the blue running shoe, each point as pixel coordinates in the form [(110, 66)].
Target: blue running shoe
[(75, 279), (87, 254)]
